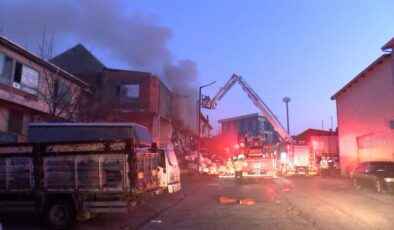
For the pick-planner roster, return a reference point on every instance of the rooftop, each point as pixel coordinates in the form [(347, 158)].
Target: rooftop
[(24, 52), (78, 60), (240, 117)]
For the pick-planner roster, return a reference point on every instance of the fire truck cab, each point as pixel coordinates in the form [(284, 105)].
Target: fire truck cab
[(258, 157)]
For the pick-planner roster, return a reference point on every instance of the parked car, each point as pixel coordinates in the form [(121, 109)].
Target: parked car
[(376, 174)]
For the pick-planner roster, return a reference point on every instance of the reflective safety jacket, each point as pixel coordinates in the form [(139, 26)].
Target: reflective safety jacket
[(238, 165), (324, 163)]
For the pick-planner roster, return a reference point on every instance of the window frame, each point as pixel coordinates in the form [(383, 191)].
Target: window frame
[(16, 76)]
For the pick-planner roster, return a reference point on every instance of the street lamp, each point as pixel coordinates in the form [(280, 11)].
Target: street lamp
[(287, 100), (199, 124)]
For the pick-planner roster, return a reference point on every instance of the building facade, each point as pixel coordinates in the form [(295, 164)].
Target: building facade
[(365, 111), (123, 95), (32, 89), (139, 97), (253, 124)]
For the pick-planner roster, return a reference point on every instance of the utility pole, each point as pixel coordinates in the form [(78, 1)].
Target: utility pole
[(287, 100), (199, 123)]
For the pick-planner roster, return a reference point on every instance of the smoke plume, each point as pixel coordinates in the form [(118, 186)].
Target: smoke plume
[(137, 39)]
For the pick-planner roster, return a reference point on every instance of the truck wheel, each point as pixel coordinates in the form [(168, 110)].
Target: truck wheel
[(379, 186), (60, 215)]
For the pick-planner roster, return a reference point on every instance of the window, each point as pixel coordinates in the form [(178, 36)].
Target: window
[(29, 80), (117, 90), (172, 158), (129, 92), (15, 121), (62, 92), (132, 91), (18, 72), (5, 69), (18, 75)]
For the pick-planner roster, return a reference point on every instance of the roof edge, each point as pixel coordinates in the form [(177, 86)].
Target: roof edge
[(361, 74), (241, 117), (52, 67), (388, 45)]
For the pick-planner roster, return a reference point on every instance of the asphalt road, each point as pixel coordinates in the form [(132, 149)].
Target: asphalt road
[(283, 203)]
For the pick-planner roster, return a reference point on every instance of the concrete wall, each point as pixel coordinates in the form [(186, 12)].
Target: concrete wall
[(364, 112)]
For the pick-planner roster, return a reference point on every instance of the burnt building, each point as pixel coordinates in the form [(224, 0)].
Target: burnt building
[(122, 95), (32, 89)]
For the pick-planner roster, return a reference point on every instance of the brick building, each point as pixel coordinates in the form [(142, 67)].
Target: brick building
[(33, 89), (123, 95)]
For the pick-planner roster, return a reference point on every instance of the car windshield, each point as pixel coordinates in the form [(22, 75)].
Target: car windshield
[(384, 167)]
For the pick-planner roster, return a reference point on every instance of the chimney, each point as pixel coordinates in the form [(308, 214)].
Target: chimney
[(388, 47)]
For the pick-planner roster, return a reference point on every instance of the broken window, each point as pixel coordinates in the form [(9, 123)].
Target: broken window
[(117, 90), (5, 69), (129, 92), (18, 75), (62, 92), (18, 72)]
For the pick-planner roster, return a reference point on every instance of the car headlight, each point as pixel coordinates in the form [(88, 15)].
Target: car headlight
[(388, 179)]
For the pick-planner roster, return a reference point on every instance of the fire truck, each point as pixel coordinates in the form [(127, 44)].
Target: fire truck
[(299, 159), (260, 157)]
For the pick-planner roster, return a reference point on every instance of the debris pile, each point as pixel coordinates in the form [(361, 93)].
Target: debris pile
[(233, 200)]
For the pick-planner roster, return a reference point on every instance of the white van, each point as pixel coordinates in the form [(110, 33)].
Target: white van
[(169, 172)]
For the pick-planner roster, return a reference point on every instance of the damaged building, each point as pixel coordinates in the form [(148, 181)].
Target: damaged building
[(32, 89), (127, 96)]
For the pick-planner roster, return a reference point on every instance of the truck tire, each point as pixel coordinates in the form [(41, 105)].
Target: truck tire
[(60, 215), (356, 184), (379, 187)]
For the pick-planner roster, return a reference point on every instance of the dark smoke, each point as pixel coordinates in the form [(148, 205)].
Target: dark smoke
[(139, 40)]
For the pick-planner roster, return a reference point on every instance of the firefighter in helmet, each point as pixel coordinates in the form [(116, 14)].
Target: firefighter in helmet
[(324, 167), (238, 166)]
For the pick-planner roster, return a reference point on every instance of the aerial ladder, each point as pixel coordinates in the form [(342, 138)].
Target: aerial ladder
[(284, 136), (294, 152)]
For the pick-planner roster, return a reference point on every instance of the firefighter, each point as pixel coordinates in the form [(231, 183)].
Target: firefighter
[(238, 165), (324, 166), (229, 167), (331, 162)]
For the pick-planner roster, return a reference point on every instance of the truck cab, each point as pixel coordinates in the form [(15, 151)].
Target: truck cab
[(169, 172)]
